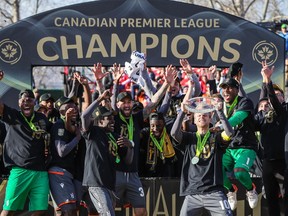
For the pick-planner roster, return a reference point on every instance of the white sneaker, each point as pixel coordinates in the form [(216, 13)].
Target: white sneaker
[(232, 198), (252, 197)]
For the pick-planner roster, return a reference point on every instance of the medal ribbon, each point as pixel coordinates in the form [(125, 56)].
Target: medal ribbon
[(114, 143), (130, 126), (201, 143), (155, 141), (231, 108), (30, 123)]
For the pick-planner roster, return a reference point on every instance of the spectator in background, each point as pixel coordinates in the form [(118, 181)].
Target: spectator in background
[(284, 34), (47, 101)]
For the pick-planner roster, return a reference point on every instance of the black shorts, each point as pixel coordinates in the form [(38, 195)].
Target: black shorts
[(129, 189)]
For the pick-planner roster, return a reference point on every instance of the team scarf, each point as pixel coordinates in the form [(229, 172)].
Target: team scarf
[(163, 148)]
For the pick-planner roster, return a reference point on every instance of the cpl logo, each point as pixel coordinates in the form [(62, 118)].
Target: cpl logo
[(264, 51), (10, 51)]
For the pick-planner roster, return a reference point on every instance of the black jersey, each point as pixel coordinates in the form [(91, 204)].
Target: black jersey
[(151, 163), (122, 130), (24, 147), (59, 133), (206, 176), (100, 159), (54, 115), (244, 136)]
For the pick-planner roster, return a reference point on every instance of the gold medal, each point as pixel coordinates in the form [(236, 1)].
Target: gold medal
[(195, 160)]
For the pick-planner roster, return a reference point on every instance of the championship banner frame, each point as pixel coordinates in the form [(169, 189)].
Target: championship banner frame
[(107, 31)]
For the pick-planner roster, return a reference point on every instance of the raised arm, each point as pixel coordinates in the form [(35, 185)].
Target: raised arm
[(86, 115), (148, 87), (176, 131), (117, 73), (228, 130), (86, 93), (169, 76), (266, 73), (186, 67), (97, 71)]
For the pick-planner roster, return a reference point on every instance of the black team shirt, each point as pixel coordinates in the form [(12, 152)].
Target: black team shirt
[(122, 129), (99, 168), (58, 132), (24, 147), (206, 176)]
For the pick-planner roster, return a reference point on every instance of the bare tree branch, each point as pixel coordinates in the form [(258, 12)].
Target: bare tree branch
[(8, 2), (249, 5), (265, 8), (6, 16), (212, 4), (235, 7)]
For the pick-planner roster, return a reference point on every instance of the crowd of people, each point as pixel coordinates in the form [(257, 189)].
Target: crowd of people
[(92, 149)]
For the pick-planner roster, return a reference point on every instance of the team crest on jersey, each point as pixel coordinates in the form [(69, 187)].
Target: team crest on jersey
[(60, 132)]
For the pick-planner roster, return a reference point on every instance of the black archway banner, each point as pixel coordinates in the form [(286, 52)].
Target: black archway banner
[(108, 31)]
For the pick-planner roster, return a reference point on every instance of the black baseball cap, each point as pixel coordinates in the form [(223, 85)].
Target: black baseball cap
[(156, 116), (229, 82), (101, 111), (62, 100), (234, 69), (123, 95), (27, 92), (46, 97)]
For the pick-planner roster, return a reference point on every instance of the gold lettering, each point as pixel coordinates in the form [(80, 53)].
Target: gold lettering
[(115, 42), (216, 23), (74, 21), (192, 23), (65, 47), (123, 22), (91, 22), (56, 23), (160, 198), (176, 25), (66, 22), (184, 23), (131, 22), (229, 49), (144, 42), (40, 49), (190, 46), (83, 22), (204, 45), (199, 23), (148, 195), (174, 202), (101, 48), (164, 42)]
